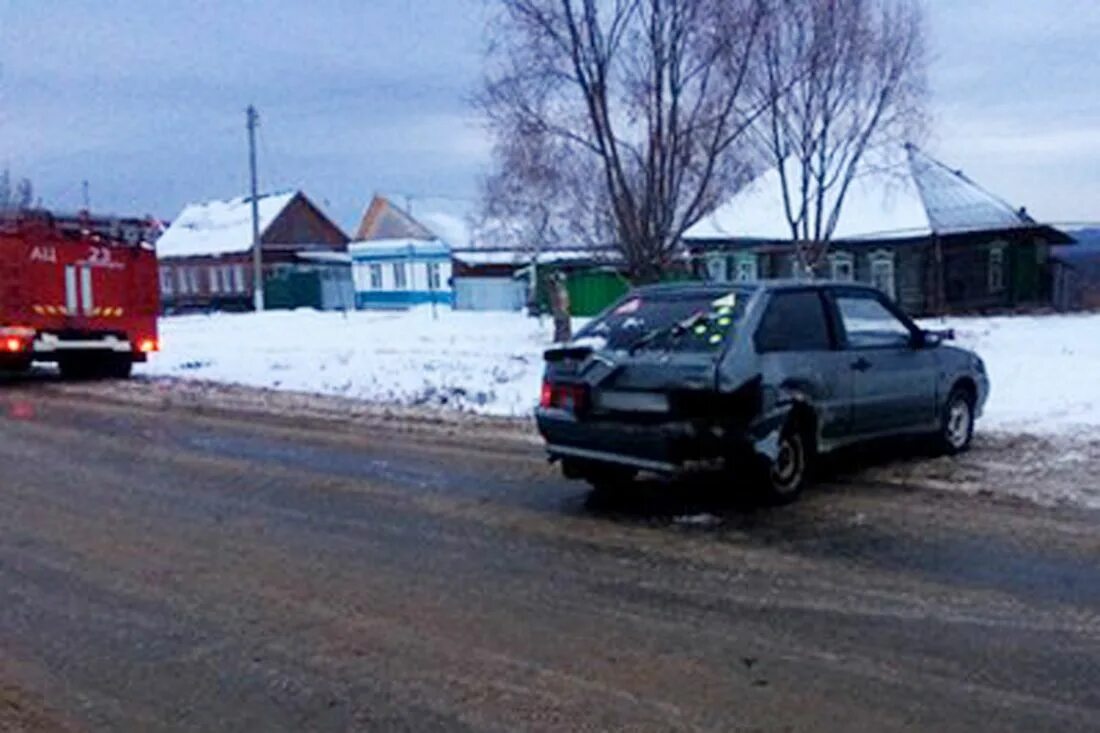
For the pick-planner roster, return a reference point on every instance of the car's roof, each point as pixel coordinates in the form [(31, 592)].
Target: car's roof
[(748, 286)]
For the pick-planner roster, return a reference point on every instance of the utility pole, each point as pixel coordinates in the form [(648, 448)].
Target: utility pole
[(87, 196), (257, 254)]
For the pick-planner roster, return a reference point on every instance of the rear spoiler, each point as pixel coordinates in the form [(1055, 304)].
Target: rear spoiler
[(567, 351)]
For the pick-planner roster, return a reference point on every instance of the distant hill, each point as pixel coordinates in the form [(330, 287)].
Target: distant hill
[(1087, 247)]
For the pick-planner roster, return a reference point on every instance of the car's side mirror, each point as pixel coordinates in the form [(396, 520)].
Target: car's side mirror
[(929, 339)]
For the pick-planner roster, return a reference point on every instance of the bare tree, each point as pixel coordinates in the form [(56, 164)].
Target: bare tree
[(624, 118), (845, 83), (17, 196), (540, 197)]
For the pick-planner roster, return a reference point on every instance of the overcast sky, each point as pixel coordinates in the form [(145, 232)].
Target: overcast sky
[(145, 99)]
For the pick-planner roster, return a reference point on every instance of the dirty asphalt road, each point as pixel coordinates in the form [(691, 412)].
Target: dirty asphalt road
[(173, 569)]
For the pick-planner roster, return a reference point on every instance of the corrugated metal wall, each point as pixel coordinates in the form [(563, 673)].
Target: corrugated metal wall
[(489, 294)]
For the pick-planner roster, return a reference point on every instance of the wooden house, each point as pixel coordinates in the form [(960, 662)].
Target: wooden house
[(931, 238), (398, 262), (206, 253)]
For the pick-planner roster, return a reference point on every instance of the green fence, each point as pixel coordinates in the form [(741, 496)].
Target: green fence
[(593, 290), (292, 290)]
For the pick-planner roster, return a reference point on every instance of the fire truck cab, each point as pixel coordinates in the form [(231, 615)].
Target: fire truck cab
[(78, 291)]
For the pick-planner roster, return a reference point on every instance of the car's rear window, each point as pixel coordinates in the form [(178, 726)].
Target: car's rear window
[(673, 321)]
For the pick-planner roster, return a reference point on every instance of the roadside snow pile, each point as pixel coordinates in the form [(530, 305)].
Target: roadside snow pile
[(485, 362), (1045, 369)]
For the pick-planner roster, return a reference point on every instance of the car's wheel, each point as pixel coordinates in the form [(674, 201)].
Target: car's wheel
[(786, 476), (957, 422)]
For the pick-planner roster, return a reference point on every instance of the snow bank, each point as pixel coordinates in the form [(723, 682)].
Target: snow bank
[(485, 362), (1045, 369)]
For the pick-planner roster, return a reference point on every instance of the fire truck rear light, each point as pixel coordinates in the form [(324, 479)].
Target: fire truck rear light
[(13, 345), (148, 346)]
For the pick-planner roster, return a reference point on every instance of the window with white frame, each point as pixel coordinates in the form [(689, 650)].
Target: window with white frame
[(359, 275), (746, 267), (434, 280), (842, 267), (400, 276), (716, 269), (882, 272), (375, 272), (193, 279), (997, 270), (167, 282), (214, 279), (239, 285), (184, 280)]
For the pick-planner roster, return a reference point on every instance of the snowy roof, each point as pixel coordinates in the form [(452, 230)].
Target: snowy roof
[(219, 227), (524, 257), (384, 248), (927, 197), (454, 230), (870, 207), (954, 203), (325, 257)]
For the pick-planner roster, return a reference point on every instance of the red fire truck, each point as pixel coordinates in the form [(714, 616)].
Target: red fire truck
[(78, 291)]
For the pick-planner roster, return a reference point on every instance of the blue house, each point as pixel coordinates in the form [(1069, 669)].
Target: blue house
[(401, 273)]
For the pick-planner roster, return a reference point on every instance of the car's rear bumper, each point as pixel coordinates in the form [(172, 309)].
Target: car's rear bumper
[(665, 447)]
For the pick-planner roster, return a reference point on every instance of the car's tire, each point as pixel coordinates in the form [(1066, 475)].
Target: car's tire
[(784, 479), (611, 482), (956, 422), (605, 480)]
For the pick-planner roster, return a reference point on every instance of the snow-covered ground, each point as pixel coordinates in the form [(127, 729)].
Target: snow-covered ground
[(1045, 369), (485, 362)]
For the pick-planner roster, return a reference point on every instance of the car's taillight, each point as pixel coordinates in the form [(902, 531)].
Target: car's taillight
[(148, 346), (546, 399), (572, 397)]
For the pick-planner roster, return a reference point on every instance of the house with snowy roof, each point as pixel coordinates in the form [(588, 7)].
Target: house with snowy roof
[(205, 255), (930, 237), (397, 261)]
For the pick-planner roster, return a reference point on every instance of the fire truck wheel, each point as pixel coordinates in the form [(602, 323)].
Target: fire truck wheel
[(118, 368), (15, 366), (76, 369)]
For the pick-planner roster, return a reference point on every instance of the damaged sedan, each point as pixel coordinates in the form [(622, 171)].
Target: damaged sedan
[(756, 380)]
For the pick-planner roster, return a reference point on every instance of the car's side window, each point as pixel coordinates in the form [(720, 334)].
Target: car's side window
[(794, 322), (868, 323)]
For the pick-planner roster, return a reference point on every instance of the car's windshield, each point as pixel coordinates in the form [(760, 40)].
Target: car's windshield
[(676, 321)]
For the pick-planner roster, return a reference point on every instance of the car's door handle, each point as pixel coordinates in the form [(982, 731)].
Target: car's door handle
[(861, 364)]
